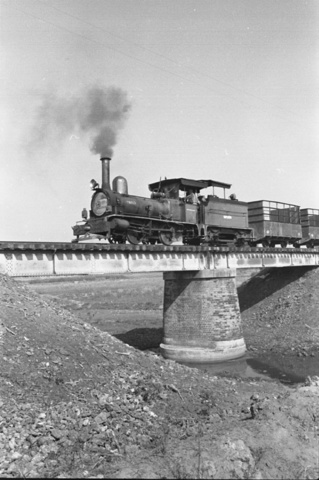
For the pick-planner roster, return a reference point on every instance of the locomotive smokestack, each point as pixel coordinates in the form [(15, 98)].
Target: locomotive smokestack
[(106, 173)]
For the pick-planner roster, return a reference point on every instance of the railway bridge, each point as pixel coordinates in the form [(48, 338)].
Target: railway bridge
[(201, 315)]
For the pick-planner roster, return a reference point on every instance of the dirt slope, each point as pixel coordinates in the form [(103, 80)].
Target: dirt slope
[(280, 314), (76, 402), (287, 300)]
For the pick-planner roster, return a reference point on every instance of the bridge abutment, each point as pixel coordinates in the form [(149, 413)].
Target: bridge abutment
[(202, 322)]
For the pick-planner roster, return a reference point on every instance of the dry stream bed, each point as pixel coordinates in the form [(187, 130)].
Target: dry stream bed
[(130, 308)]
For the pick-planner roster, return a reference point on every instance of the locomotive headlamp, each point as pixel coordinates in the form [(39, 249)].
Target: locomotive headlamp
[(94, 185)]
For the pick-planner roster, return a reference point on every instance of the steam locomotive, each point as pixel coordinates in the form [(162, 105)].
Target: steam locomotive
[(177, 211)]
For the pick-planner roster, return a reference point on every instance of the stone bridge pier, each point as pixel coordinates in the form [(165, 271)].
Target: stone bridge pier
[(202, 322)]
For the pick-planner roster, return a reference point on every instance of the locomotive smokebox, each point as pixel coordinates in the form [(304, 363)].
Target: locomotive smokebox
[(106, 173)]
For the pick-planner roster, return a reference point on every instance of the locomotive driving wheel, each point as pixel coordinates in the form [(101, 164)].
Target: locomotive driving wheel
[(133, 237), (165, 238)]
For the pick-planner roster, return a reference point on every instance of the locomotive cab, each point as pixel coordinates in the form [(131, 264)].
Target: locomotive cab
[(183, 196)]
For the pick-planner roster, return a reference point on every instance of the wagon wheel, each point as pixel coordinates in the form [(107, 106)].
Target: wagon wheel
[(133, 237), (240, 240), (165, 238)]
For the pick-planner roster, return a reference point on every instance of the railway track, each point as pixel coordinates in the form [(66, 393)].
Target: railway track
[(21, 246)]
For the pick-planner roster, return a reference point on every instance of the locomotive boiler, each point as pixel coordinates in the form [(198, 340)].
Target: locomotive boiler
[(117, 216)]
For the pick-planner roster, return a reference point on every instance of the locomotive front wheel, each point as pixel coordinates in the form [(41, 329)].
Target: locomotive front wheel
[(165, 238), (133, 238)]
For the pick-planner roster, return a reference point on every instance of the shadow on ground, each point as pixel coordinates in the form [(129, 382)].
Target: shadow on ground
[(267, 282), (142, 338)]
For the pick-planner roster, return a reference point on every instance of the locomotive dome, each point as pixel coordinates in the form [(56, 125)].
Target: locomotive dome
[(119, 185)]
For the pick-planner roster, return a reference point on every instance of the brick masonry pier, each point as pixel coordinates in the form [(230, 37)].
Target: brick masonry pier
[(201, 316)]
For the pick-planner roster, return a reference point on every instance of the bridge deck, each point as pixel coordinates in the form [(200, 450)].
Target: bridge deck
[(51, 259)]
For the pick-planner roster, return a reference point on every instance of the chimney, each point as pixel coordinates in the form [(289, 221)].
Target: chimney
[(106, 173)]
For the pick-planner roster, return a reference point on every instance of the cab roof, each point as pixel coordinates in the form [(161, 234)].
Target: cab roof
[(185, 183)]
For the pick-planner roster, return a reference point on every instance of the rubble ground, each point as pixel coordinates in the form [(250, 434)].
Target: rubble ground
[(78, 402)]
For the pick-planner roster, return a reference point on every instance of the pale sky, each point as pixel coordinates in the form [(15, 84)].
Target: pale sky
[(220, 89)]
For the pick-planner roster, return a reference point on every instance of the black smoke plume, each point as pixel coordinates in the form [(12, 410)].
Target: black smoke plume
[(98, 113)]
